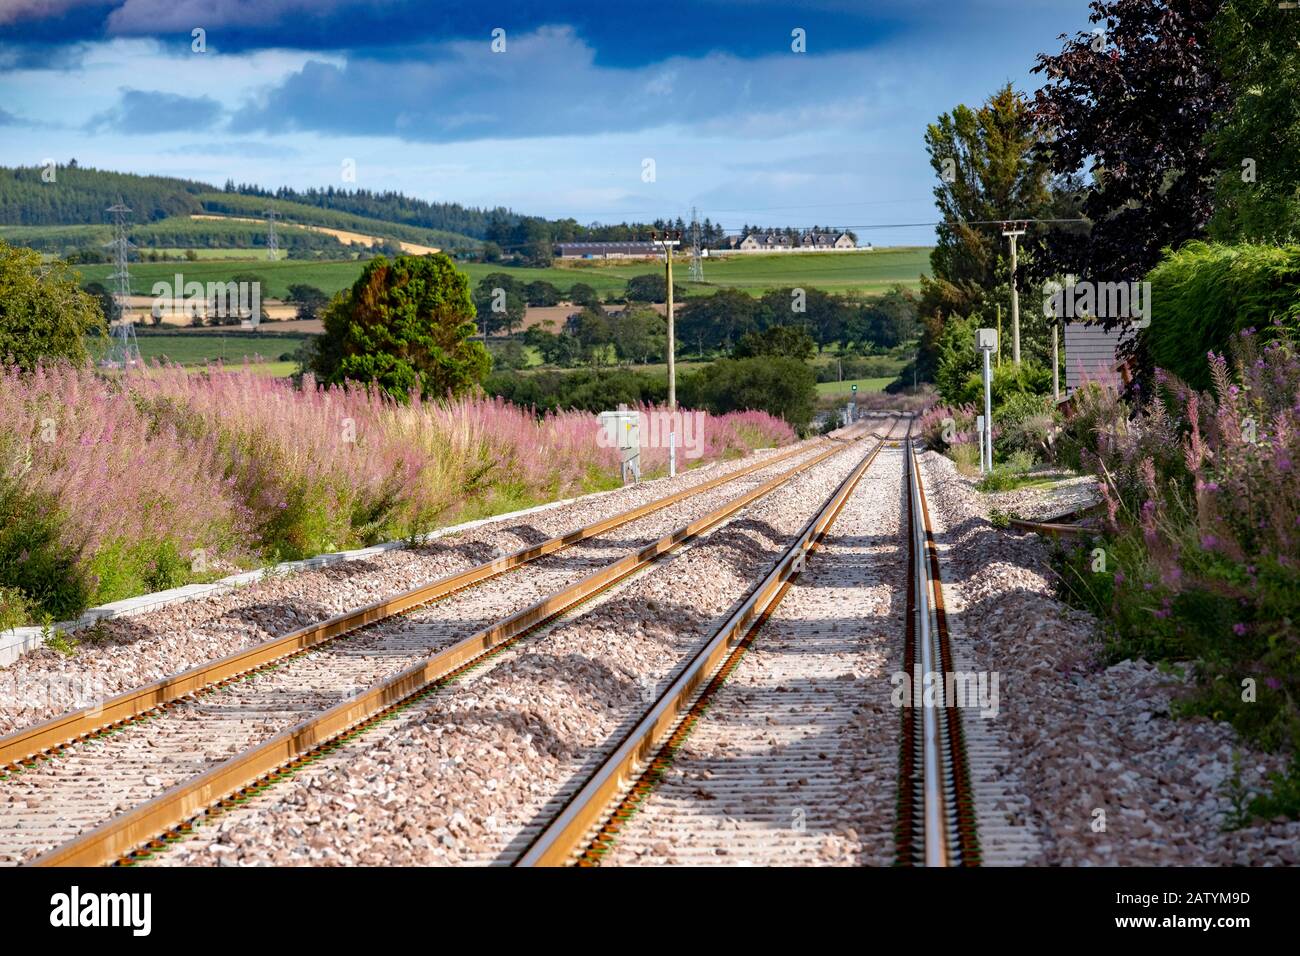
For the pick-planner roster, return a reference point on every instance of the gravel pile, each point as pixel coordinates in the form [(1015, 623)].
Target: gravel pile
[(1090, 745), (127, 652), (469, 774)]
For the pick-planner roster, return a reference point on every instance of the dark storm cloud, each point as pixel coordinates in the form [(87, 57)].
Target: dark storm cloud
[(625, 34), (549, 83), (146, 111)]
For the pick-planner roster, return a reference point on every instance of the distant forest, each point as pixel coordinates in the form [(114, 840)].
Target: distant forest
[(79, 196)]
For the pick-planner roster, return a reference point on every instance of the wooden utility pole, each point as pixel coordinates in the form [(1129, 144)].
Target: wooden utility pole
[(672, 349), (1013, 230), (999, 335)]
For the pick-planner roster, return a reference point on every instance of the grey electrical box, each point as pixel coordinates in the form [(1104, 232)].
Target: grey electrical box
[(623, 431), (986, 339)]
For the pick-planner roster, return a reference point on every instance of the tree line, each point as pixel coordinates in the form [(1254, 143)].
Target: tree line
[(1169, 121)]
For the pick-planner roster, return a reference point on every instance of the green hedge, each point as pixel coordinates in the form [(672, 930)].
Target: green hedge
[(592, 390), (1204, 293), (780, 386)]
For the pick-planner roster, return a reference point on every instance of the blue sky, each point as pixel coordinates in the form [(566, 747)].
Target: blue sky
[(561, 123)]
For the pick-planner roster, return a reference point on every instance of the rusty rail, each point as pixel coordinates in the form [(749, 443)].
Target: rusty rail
[(569, 831), (23, 746), (159, 818)]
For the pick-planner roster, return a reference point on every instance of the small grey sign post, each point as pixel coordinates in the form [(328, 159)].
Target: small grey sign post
[(622, 431)]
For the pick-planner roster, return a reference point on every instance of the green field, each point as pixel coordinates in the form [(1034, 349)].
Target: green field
[(250, 256), (846, 387), (195, 348), (329, 277), (870, 272)]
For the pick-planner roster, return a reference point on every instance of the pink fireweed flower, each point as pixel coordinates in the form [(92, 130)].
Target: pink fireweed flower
[(1239, 629)]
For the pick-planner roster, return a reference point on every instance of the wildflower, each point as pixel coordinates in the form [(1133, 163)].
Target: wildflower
[(1119, 578), (1209, 542), (1272, 683), (1239, 629)]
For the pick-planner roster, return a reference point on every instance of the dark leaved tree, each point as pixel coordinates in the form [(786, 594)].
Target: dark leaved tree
[(1132, 103)]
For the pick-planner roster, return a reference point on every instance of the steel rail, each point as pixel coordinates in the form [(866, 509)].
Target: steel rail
[(147, 823), (934, 814), (948, 830), (569, 829), (23, 747), (607, 833)]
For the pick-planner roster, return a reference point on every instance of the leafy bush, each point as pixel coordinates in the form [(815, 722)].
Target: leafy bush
[(652, 287), (791, 341), (591, 390), (38, 566), (1007, 382), (1205, 293), (1097, 417), (508, 355), (955, 358), (780, 386), (1010, 474), (1023, 424), (857, 367), (944, 426), (44, 316), (404, 326), (14, 608), (1202, 529)]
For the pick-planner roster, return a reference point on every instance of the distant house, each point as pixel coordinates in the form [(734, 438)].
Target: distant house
[(632, 249), (781, 242)]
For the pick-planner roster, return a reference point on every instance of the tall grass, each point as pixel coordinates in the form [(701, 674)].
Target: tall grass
[(1201, 542), (111, 487)]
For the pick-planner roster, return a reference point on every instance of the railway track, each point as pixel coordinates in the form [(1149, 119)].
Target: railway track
[(795, 753), (936, 810), (212, 736), (769, 736)]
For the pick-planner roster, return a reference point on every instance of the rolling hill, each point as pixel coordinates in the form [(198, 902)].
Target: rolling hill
[(68, 215)]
